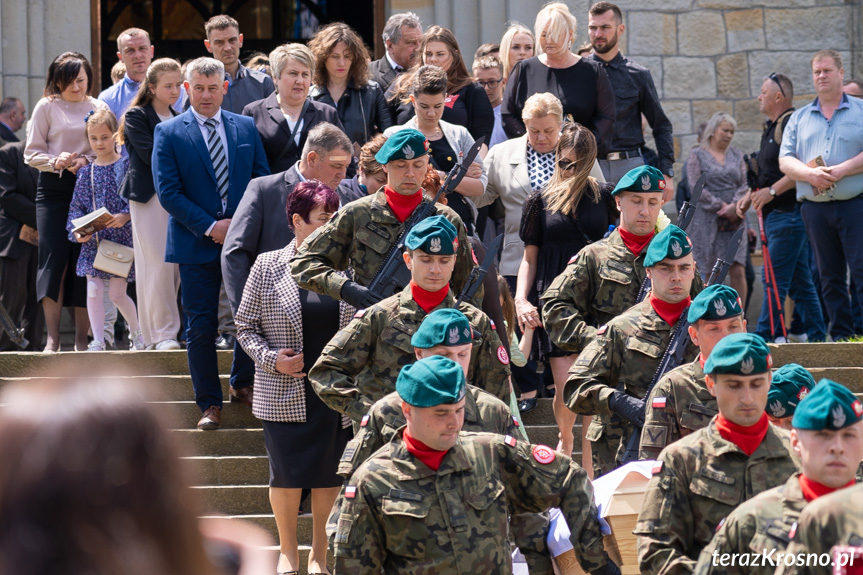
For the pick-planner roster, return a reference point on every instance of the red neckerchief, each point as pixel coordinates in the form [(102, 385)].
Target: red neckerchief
[(401, 205), (670, 312), (636, 244), (746, 438), (431, 457), (428, 300), (701, 360), (812, 490)]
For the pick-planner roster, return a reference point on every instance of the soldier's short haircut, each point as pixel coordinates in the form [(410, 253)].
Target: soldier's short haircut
[(8, 104), (393, 28), (837, 58), (220, 22), (324, 138), (785, 82), (603, 7), (130, 33), (205, 67)]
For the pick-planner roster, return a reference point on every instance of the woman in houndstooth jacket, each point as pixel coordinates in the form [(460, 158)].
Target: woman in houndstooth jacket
[(284, 329)]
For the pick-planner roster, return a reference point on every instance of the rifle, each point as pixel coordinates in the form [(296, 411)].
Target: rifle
[(473, 282), (687, 211), (676, 350), (393, 275), (16, 334)]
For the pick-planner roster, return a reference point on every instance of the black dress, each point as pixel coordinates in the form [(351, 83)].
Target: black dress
[(306, 455), (559, 237), (468, 107), (583, 89)]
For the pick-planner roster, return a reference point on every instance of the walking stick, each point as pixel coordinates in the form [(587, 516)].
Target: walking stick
[(770, 282)]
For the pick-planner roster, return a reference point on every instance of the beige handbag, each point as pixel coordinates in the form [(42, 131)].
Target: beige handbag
[(111, 257)]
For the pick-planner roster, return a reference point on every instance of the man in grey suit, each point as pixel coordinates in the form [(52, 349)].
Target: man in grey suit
[(260, 223), (401, 36), (12, 117)]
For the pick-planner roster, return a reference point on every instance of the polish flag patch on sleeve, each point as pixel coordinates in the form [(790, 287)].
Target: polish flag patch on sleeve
[(572, 259), (359, 314), (515, 421), (365, 420), (510, 440), (602, 329), (658, 403), (657, 467), (350, 492)]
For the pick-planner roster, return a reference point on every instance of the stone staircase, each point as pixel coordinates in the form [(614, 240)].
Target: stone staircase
[(230, 465)]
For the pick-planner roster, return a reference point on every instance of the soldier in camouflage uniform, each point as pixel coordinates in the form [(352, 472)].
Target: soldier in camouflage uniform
[(436, 501), (790, 384), (680, 403), (361, 363), (827, 435), (363, 232), (699, 479), (612, 374)]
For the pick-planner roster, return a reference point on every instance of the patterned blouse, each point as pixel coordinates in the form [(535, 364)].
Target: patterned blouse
[(540, 167)]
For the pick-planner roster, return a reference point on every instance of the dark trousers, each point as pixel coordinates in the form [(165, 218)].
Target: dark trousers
[(242, 369), (18, 295), (836, 235), (201, 284)]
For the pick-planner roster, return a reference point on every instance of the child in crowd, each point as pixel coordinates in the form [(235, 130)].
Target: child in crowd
[(518, 350), (98, 186)]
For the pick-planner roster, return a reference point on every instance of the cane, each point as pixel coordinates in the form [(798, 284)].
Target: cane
[(770, 282)]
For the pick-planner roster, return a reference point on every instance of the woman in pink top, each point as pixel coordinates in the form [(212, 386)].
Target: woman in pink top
[(57, 146)]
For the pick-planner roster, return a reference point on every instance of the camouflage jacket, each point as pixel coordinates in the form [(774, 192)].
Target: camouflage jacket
[(399, 516), (482, 412), (758, 529), (601, 282), (688, 407), (696, 483), (361, 363), (624, 356), (360, 236), (828, 522)]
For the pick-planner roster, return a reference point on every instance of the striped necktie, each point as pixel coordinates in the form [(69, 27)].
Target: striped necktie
[(217, 154)]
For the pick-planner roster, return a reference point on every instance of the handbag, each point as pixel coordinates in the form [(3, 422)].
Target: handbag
[(111, 257)]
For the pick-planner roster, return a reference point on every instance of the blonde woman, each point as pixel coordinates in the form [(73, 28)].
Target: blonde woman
[(579, 83), (572, 211), (516, 45)]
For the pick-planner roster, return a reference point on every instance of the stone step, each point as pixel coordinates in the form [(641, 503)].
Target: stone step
[(267, 522), (223, 442), (118, 363), (812, 355), (151, 387), (235, 499), (229, 469), (185, 415)]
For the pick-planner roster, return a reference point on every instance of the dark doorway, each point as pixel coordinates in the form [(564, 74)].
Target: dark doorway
[(176, 27)]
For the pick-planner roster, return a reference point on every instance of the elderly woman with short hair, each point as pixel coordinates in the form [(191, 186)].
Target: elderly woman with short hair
[(285, 117), (284, 329)]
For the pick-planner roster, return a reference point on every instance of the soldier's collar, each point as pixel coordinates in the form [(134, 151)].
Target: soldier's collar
[(471, 409), (771, 446), (792, 499), (406, 299), (617, 247), (409, 468)]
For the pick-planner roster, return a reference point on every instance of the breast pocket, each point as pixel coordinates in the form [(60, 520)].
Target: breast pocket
[(373, 241), (722, 494), (696, 416), (487, 508), (406, 521), (399, 338), (612, 296)]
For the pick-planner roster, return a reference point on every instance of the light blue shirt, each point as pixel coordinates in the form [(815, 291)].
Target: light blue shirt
[(497, 133), (809, 134), (120, 95)]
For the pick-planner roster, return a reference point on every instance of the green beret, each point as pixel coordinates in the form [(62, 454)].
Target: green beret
[(739, 354), (443, 327), (405, 144), (672, 243), (431, 381), (715, 302), (435, 236), (829, 405), (790, 384), (643, 179)]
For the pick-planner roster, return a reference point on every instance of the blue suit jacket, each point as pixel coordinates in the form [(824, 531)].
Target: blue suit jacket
[(186, 183)]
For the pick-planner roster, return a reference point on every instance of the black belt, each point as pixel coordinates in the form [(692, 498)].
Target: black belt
[(624, 155)]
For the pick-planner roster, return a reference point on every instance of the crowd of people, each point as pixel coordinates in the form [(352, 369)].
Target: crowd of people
[(266, 205)]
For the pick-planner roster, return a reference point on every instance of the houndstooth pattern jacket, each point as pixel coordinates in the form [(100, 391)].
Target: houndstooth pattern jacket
[(269, 319)]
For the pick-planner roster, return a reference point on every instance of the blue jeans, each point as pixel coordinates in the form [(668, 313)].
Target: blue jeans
[(837, 236), (789, 254), (201, 284)]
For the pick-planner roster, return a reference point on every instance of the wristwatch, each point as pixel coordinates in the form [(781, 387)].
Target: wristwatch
[(772, 191), (670, 173)]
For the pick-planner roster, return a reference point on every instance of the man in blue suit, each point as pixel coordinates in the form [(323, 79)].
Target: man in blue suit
[(202, 162)]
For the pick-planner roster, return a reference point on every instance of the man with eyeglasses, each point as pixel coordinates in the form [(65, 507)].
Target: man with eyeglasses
[(822, 150), (634, 95), (776, 199), (488, 72)]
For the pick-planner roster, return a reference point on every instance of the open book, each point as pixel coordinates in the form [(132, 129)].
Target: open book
[(92, 222)]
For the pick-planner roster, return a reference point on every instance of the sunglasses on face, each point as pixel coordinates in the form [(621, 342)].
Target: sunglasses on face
[(776, 79), (565, 165)]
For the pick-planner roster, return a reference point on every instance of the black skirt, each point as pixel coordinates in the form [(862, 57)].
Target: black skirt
[(57, 255)]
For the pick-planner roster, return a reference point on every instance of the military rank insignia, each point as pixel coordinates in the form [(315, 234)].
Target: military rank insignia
[(365, 420), (543, 454), (510, 440), (350, 492)]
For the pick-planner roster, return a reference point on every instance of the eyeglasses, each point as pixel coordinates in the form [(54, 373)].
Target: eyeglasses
[(565, 165), (489, 83), (775, 78)]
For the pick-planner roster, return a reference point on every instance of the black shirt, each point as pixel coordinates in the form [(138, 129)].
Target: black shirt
[(768, 167), (444, 158), (635, 94), (468, 107)]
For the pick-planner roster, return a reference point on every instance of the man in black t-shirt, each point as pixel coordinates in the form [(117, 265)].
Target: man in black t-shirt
[(776, 198)]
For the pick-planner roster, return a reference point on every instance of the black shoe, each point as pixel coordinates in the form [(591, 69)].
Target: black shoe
[(226, 342), (549, 392), (526, 405)]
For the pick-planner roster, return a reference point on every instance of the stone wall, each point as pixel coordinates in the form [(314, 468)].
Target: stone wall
[(705, 55)]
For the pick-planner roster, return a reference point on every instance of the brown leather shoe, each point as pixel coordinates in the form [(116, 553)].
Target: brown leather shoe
[(243, 395), (211, 419)]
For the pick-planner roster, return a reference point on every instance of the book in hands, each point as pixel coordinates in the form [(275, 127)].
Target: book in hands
[(92, 223), (814, 163)]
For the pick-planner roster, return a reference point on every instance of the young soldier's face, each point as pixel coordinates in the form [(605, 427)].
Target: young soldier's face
[(430, 272), (638, 211), (706, 333), (829, 457), (406, 176), (438, 426), (741, 399), (458, 353), (672, 279)]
